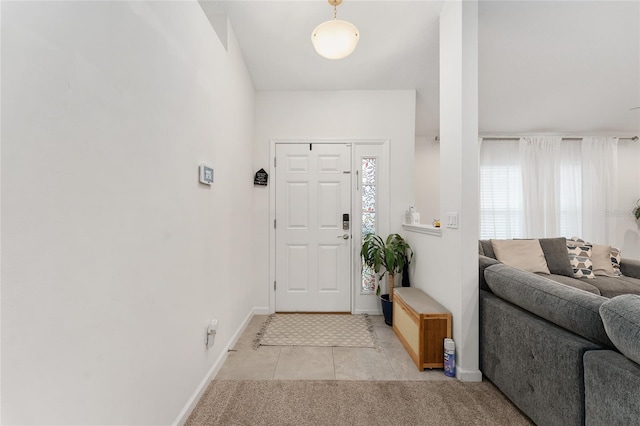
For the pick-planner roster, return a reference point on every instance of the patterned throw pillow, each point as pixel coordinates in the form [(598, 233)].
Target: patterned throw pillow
[(580, 258), (576, 240), (616, 256)]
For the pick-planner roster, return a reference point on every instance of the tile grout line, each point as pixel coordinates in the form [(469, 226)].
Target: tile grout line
[(393, 370), (277, 362), (333, 360)]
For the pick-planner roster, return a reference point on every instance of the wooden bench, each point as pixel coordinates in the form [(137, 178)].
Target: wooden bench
[(421, 324)]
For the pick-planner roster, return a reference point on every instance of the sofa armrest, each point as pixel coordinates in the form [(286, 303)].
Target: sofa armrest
[(630, 268)]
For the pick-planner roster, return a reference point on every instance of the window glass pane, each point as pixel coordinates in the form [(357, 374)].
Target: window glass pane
[(368, 198), (369, 207), (368, 223), (368, 280), (368, 171)]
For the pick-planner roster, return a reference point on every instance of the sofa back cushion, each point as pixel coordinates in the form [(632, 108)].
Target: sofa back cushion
[(569, 308), (526, 255), (557, 256), (554, 250), (621, 318), (601, 258), (487, 249)]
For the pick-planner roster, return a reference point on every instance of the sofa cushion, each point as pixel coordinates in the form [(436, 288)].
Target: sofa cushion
[(487, 249), (630, 268), (555, 252), (580, 258), (526, 255), (615, 286), (569, 308), (601, 258), (621, 318), (574, 282), (616, 258)]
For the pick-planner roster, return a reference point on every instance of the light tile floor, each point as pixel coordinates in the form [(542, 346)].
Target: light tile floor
[(391, 362)]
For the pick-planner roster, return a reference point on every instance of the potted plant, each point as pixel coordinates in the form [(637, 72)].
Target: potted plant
[(386, 257)]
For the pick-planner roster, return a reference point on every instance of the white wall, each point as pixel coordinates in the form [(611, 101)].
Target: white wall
[(332, 115), (427, 178), (114, 256), (628, 228), (446, 267)]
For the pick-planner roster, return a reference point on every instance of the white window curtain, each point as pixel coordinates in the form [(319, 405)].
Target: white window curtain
[(551, 186), (599, 188), (500, 190), (570, 190), (541, 182), (548, 187)]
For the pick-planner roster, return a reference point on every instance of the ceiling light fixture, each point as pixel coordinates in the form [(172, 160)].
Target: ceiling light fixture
[(335, 39)]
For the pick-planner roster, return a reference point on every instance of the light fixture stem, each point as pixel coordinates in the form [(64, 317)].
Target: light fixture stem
[(335, 12)]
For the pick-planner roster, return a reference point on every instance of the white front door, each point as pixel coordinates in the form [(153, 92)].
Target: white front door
[(313, 262)]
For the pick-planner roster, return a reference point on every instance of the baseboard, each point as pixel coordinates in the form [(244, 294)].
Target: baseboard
[(261, 310), (468, 375), (191, 403)]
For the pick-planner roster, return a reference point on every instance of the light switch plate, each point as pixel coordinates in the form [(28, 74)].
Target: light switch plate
[(206, 174), (452, 220)]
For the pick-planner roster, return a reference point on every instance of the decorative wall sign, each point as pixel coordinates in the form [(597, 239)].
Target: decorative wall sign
[(261, 178)]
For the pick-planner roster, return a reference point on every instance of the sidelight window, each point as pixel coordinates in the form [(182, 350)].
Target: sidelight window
[(369, 212)]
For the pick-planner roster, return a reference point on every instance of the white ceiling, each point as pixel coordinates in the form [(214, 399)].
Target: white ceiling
[(559, 67), (544, 66)]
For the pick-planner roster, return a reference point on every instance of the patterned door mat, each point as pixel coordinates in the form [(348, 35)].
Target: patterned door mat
[(355, 331)]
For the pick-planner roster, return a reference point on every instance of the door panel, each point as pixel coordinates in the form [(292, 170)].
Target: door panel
[(313, 264), (328, 204), (297, 205)]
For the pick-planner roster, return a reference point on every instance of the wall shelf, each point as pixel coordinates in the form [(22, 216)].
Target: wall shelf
[(422, 229)]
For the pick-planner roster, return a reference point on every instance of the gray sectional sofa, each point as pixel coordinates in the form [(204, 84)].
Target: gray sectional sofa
[(563, 354)]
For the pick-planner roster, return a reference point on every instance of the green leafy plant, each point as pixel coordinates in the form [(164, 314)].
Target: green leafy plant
[(636, 211), (386, 256)]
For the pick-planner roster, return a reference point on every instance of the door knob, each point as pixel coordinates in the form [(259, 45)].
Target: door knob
[(344, 236)]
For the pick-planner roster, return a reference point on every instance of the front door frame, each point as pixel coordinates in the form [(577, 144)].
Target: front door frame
[(272, 205)]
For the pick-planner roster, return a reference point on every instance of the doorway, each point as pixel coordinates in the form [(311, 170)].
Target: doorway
[(312, 224), (360, 296)]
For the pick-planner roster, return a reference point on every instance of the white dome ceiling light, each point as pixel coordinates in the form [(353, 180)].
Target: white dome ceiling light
[(335, 39)]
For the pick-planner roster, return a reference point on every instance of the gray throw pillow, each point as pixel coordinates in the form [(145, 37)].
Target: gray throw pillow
[(555, 251), (621, 319), (487, 249)]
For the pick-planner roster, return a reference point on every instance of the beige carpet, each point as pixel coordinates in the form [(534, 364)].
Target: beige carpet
[(354, 331), (354, 403)]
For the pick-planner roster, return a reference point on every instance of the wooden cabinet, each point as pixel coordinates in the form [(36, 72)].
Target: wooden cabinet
[(421, 324)]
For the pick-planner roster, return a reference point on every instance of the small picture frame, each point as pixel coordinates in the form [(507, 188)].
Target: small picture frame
[(206, 174)]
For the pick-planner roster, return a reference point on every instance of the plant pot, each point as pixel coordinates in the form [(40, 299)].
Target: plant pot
[(387, 309)]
